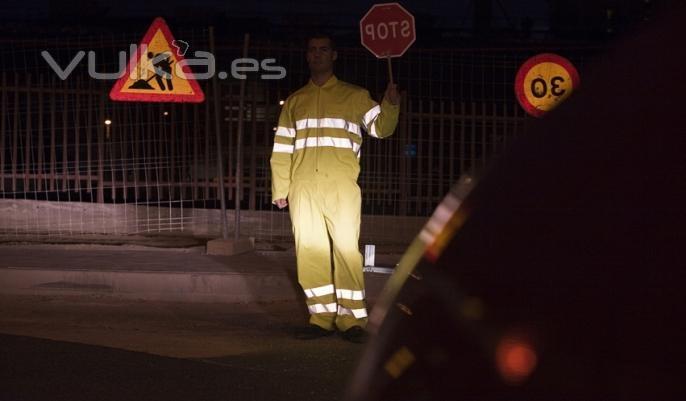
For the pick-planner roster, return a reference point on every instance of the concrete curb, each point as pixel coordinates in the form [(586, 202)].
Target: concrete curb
[(200, 249), (151, 285)]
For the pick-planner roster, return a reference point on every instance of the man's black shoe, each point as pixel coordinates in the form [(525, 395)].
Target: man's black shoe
[(355, 334), (311, 332)]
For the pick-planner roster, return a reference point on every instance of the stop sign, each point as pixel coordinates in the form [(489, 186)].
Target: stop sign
[(387, 30)]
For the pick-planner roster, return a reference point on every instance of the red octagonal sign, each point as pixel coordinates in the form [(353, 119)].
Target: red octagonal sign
[(387, 30)]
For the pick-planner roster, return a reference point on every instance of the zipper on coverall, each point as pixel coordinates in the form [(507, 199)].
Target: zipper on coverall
[(316, 148)]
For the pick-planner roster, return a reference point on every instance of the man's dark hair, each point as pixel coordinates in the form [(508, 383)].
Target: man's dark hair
[(321, 35)]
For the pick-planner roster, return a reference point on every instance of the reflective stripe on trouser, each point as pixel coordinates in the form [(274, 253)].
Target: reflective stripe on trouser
[(321, 210)]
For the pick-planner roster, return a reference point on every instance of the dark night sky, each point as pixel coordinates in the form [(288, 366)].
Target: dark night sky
[(440, 21), (448, 13)]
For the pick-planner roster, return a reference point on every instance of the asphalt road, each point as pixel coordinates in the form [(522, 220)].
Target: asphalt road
[(85, 347)]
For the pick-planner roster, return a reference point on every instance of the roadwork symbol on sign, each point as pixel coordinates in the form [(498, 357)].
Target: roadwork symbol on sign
[(154, 74), (387, 30), (544, 81)]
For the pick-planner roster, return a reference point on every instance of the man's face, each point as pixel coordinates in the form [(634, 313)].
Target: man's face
[(320, 55)]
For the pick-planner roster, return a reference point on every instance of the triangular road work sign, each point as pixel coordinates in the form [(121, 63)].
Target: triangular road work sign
[(153, 73)]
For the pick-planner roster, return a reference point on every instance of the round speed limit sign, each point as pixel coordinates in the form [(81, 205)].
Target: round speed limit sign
[(544, 81)]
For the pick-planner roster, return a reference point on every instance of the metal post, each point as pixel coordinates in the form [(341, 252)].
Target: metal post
[(3, 111), (220, 163), (101, 150), (239, 165)]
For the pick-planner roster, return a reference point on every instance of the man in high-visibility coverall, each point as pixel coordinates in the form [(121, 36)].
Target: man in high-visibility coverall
[(315, 165)]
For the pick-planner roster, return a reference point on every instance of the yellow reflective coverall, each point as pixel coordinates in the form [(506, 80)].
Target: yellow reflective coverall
[(315, 165)]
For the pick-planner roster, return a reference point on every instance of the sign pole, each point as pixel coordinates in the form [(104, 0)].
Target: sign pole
[(220, 161), (390, 69), (239, 145)]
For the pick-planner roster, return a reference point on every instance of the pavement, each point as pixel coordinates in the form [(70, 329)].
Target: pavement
[(128, 321), (98, 347), (158, 273), (113, 322)]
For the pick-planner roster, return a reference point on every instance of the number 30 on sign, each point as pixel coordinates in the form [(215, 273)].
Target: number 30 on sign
[(544, 81)]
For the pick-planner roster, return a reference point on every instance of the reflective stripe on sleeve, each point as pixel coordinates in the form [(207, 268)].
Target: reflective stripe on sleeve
[(369, 119), (282, 148), (319, 291), (287, 132)]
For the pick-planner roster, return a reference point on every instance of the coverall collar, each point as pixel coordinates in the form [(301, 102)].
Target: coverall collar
[(329, 83)]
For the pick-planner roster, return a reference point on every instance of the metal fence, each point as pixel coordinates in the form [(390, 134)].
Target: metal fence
[(458, 111)]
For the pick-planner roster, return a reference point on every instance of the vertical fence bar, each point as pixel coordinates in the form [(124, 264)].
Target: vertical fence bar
[(101, 150), (41, 144), (267, 129), (420, 139), (147, 151), (239, 145), (484, 131), (89, 139), (184, 152), (53, 142), (168, 156), (150, 162), (366, 156), (497, 120), (65, 139), (441, 150), (77, 138), (216, 91), (403, 196), (3, 122), (15, 134), (431, 168), (451, 144), (463, 133), (27, 141), (159, 157), (196, 147), (515, 122), (135, 162), (110, 135), (509, 119), (516, 126), (389, 147), (207, 147), (253, 150), (229, 146), (173, 182), (472, 150), (409, 131), (123, 150)]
